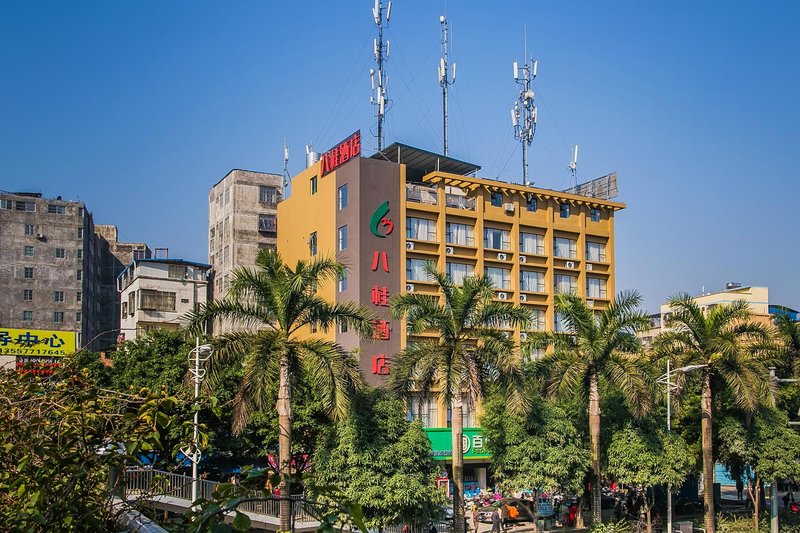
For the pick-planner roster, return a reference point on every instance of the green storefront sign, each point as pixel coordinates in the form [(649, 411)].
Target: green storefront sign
[(472, 442)]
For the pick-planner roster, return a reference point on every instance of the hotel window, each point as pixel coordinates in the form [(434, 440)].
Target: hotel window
[(566, 248), (27, 316), (421, 229), (58, 316), (26, 206), (54, 209), (61, 253), (496, 239), (565, 284), (467, 414), (29, 229), (27, 295), (343, 238), (595, 251), (531, 281), (531, 203), (28, 273), (496, 199), (342, 197), (312, 243), (426, 411), (460, 234), (596, 288), (531, 243), (58, 296), (459, 271), (537, 320), (314, 185), (564, 210), (594, 214), (415, 270), (153, 300), (343, 282), (267, 195), (558, 324), (28, 252), (500, 277)]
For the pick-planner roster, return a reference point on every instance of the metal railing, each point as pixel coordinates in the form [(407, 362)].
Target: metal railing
[(459, 202), (422, 195)]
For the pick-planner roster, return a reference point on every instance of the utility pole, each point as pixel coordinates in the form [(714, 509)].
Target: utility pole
[(774, 525), (669, 426), (444, 81), (381, 55), (523, 116)]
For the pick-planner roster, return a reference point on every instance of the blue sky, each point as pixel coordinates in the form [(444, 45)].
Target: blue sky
[(137, 108)]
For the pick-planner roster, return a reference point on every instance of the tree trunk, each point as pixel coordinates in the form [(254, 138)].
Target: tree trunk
[(594, 436), (579, 515), (756, 503), (708, 455), (648, 512), (284, 408), (536, 510), (458, 465)]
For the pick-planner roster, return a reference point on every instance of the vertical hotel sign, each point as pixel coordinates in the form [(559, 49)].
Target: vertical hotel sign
[(340, 154), (381, 226)]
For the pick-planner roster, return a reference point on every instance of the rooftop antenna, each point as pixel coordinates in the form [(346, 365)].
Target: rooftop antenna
[(285, 164), (573, 167), (523, 116), (381, 51), (444, 80)]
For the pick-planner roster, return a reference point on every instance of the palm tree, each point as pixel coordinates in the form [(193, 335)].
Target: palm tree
[(723, 340), (468, 353), (599, 346), (272, 304), (789, 341)]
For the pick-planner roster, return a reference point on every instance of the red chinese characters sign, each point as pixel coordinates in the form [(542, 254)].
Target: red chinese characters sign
[(381, 225), (340, 154)]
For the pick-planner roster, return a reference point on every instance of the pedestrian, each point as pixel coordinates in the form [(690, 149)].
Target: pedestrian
[(739, 489), (475, 518), (432, 529), (495, 521), (504, 517), (786, 498), (406, 529)]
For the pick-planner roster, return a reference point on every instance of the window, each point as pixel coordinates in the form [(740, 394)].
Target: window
[(26, 206), (595, 251), (78, 316), (594, 214), (564, 210), (415, 270), (227, 197), (460, 234), (342, 327), (27, 295), (28, 252), (496, 239), (496, 199), (531, 243), (177, 271), (426, 411), (138, 253), (153, 300), (596, 288), (124, 310), (79, 275), (531, 281), (531, 203), (267, 223), (79, 296), (421, 229), (267, 195), (58, 317), (313, 326), (61, 253), (558, 324), (267, 246), (211, 239), (459, 271), (54, 209), (80, 233), (29, 229), (343, 282), (79, 254), (566, 284), (28, 273), (5, 204), (537, 320), (567, 248), (132, 301), (312, 243), (342, 239), (314, 185), (27, 316), (500, 277), (467, 414), (81, 212), (342, 197), (58, 296)]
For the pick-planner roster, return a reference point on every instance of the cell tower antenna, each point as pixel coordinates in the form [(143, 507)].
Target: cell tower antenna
[(379, 78), (285, 163), (573, 167), (523, 115), (445, 80)]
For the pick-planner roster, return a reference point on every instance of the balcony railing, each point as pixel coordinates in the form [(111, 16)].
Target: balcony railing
[(422, 195), (459, 202)]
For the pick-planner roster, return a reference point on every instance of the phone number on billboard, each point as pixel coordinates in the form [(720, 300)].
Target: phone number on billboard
[(30, 351)]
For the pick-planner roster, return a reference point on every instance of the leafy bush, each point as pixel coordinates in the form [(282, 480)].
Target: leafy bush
[(612, 527)]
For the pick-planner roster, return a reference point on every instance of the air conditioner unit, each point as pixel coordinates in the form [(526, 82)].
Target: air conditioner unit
[(588, 266), (502, 296), (409, 245), (409, 287), (523, 259), (501, 257), (569, 264), (523, 336), (523, 297), (509, 207), (590, 304), (448, 250), (40, 235)]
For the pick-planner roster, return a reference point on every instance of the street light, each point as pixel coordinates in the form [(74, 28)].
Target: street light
[(773, 518), (198, 355), (665, 380)]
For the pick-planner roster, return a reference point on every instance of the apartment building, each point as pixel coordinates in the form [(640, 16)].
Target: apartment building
[(157, 294)]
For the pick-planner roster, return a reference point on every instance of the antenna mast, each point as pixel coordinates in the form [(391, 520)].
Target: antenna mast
[(444, 81), (573, 168), (285, 163), (523, 116), (381, 55)]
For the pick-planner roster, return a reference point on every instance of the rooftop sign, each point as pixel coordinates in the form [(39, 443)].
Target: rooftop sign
[(340, 154)]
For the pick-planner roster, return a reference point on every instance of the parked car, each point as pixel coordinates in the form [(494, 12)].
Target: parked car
[(518, 510)]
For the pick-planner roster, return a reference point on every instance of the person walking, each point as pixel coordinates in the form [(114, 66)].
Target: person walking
[(504, 517), (739, 489), (495, 521), (475, 521)]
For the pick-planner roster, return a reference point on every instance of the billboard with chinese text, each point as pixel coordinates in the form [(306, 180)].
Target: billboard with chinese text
[(472, 442), (37, 342)]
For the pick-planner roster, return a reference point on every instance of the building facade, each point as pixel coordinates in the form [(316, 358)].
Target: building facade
[(157, 294)]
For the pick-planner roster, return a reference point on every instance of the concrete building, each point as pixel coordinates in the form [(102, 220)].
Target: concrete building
[(385, 216), (157, 293), (242, 219)]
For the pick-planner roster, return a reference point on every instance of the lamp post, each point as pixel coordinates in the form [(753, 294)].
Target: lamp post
[(665, 380), (773, 519), (197, 357)]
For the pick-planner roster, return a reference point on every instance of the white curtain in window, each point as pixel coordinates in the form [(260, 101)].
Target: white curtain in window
[(566, 284), (500, 277), (595, 251), (415, 270), (531, 281), (459, 271), (531, 243), (595, 288), (564, 247), (460, 234)]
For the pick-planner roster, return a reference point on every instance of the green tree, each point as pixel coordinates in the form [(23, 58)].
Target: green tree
[(274, 305), (382, 462), (723, 339), (468, 353), (542, 449), (600, 346), (648, 456), (789, 342)]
